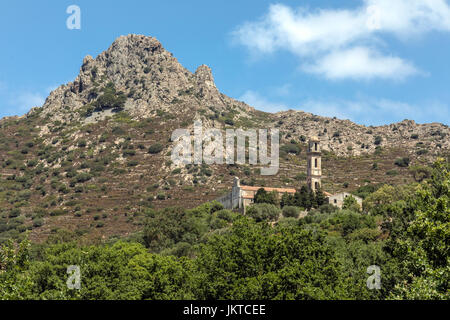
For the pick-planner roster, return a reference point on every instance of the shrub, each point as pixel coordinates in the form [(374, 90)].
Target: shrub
[(83, 177), (301, 176), (420, 173), (217, 223), (129, 153), (421, 152), (82, 143), (263, 212), (14, 213), (110, 99), (132, 163), (415, 136), (365, 234), (224, 214), (155, 148), (392, 173), (161, 196), (402, 162), (229, 122), (57, 212), (328, 208), (118, 130), (291, 148), (262, 196), (216, 206), (378, 140), (288, 222), (291, 212), (38, 223), (350, 203), (31, 163)]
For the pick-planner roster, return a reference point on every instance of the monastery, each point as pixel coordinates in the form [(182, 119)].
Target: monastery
[(242, 196)]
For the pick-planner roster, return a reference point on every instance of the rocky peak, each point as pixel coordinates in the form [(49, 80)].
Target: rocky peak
[(142, 71), (204, 76)]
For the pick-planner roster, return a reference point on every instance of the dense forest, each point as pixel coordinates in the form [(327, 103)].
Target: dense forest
[(271, 252)]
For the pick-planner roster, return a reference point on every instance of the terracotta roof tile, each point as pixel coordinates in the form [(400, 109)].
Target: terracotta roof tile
[(280, 190)]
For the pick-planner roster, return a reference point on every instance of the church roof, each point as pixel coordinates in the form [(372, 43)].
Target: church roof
[(280, 190)]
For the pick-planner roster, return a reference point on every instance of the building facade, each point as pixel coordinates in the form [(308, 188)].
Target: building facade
[(242, 196), (338, 199), (314, 164)]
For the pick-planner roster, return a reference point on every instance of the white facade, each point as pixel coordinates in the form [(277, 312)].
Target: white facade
[(338, 199), (314, 165)]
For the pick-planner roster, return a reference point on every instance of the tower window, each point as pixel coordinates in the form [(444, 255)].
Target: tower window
[(315, 146), (315, 162), (317, 185)]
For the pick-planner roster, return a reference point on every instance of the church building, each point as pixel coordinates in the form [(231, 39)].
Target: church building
[(242, 196)]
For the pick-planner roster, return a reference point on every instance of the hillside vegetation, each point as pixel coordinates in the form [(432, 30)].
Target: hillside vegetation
[(212, 253), (96, 156)]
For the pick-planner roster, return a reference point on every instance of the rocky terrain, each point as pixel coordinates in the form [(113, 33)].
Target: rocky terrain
[(96, 156)]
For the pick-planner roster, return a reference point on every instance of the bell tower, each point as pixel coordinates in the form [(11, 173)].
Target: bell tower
[(314, 171)]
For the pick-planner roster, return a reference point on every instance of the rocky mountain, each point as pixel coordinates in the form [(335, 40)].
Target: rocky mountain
[(148, 75), (96, 156)]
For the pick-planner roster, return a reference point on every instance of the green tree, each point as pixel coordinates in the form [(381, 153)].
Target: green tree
[(287, 200), (291, 212), (302, 198), (350, 203), (262, 196), (15, 283), (256, 261), (263, 212), (320, 197), (421, 244)]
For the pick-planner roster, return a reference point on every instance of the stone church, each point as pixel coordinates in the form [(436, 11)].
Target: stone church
[(242, 196)]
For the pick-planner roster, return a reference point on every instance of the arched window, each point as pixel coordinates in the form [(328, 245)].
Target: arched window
[(317, 185)]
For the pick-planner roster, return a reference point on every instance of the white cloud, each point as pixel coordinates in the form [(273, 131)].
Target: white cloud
[(255, 100), (283, 90), (361, 110), (320, 36), (24, 101), (20, 101), (371, 111), (361, 63), (406, 17)]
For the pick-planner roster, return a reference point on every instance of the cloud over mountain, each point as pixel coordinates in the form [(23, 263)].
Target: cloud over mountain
[(334, 43)]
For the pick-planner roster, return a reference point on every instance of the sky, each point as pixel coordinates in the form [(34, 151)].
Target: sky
[(374, 62)]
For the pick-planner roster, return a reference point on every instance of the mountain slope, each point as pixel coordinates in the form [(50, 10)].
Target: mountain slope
[(96, 155)]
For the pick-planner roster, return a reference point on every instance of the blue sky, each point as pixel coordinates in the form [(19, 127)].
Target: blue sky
[(371, 61)]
